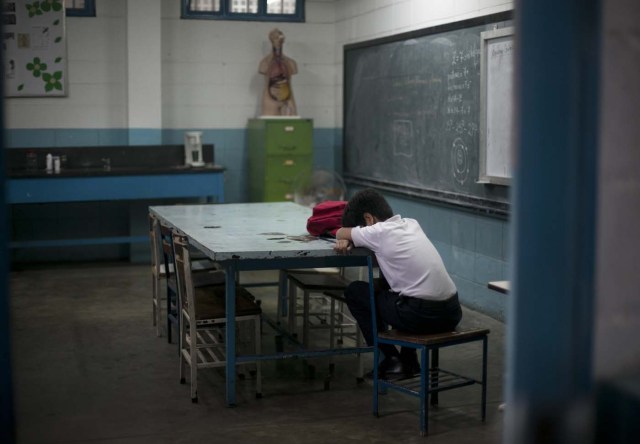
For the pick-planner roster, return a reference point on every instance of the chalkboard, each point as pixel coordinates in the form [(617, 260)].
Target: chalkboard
[(35, 49), (412, 114)]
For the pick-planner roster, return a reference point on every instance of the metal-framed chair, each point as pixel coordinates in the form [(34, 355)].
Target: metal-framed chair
[(432, 378), (202, 319), (162, 271), (204, 271)]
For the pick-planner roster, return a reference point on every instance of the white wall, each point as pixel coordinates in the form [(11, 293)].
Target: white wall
[(358, 20), (210, 68), (144, 64), (209, 72)]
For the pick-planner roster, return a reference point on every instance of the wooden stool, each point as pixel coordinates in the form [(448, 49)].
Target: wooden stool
[(432, 379)]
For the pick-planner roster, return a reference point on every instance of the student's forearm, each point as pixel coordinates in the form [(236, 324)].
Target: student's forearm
[(344, 233)]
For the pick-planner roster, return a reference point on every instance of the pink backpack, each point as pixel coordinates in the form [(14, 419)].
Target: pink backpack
[(326, 218)]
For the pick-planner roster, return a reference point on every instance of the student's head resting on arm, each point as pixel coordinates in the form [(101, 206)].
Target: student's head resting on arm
[(408, 259), (364, 209)]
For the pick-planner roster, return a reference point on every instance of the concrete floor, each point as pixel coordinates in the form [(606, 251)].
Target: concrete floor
[(88, 367)]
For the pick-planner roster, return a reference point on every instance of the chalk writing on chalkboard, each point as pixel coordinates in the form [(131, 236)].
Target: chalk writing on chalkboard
[(412, 114), (403, 138)]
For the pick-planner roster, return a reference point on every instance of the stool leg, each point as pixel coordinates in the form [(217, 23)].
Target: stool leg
[(292, 309), (376, 356), (359, 340), (282, 295), (332, 335), (154, 293), (305, 319), (332, 324), (340, 316), (181, 346), (168, 319), (424, 383), (258, 350), (435, 374), (484, 377), (194, 363)]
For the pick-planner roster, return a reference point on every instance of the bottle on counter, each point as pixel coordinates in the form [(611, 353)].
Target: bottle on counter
[(32, 161), (49, 162)]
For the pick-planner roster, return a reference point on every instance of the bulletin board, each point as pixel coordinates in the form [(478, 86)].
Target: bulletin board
[(496, 113), (35, 48)]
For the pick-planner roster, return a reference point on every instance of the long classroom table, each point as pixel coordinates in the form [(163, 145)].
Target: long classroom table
[(257, 236)]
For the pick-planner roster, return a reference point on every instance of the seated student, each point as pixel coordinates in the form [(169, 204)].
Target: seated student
[(417, 296)]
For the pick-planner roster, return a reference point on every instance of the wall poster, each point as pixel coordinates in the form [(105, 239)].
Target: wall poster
[(35, 48)]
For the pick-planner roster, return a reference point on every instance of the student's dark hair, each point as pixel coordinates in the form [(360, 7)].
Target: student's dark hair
[(365, 201), (348, 219)]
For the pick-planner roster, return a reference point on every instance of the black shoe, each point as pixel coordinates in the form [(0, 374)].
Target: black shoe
[(410, 364), (410, 370), (389, 368)]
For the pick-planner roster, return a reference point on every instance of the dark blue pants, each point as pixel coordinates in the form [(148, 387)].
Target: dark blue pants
[(403, 313)]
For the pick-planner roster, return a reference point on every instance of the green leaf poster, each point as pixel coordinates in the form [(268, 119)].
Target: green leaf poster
[(35, 48)]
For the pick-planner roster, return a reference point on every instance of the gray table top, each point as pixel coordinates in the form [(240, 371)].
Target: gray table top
[(247, 231)]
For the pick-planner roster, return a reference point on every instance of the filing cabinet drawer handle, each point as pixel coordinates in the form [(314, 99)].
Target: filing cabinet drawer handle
[(289, 162)]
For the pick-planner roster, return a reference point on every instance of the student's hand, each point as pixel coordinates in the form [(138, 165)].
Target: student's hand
[(342, 246)]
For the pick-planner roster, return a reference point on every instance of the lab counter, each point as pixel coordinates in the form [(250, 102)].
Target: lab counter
[(100, 195)]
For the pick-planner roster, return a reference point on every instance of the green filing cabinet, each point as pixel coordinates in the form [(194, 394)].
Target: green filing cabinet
[(280, 150)]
